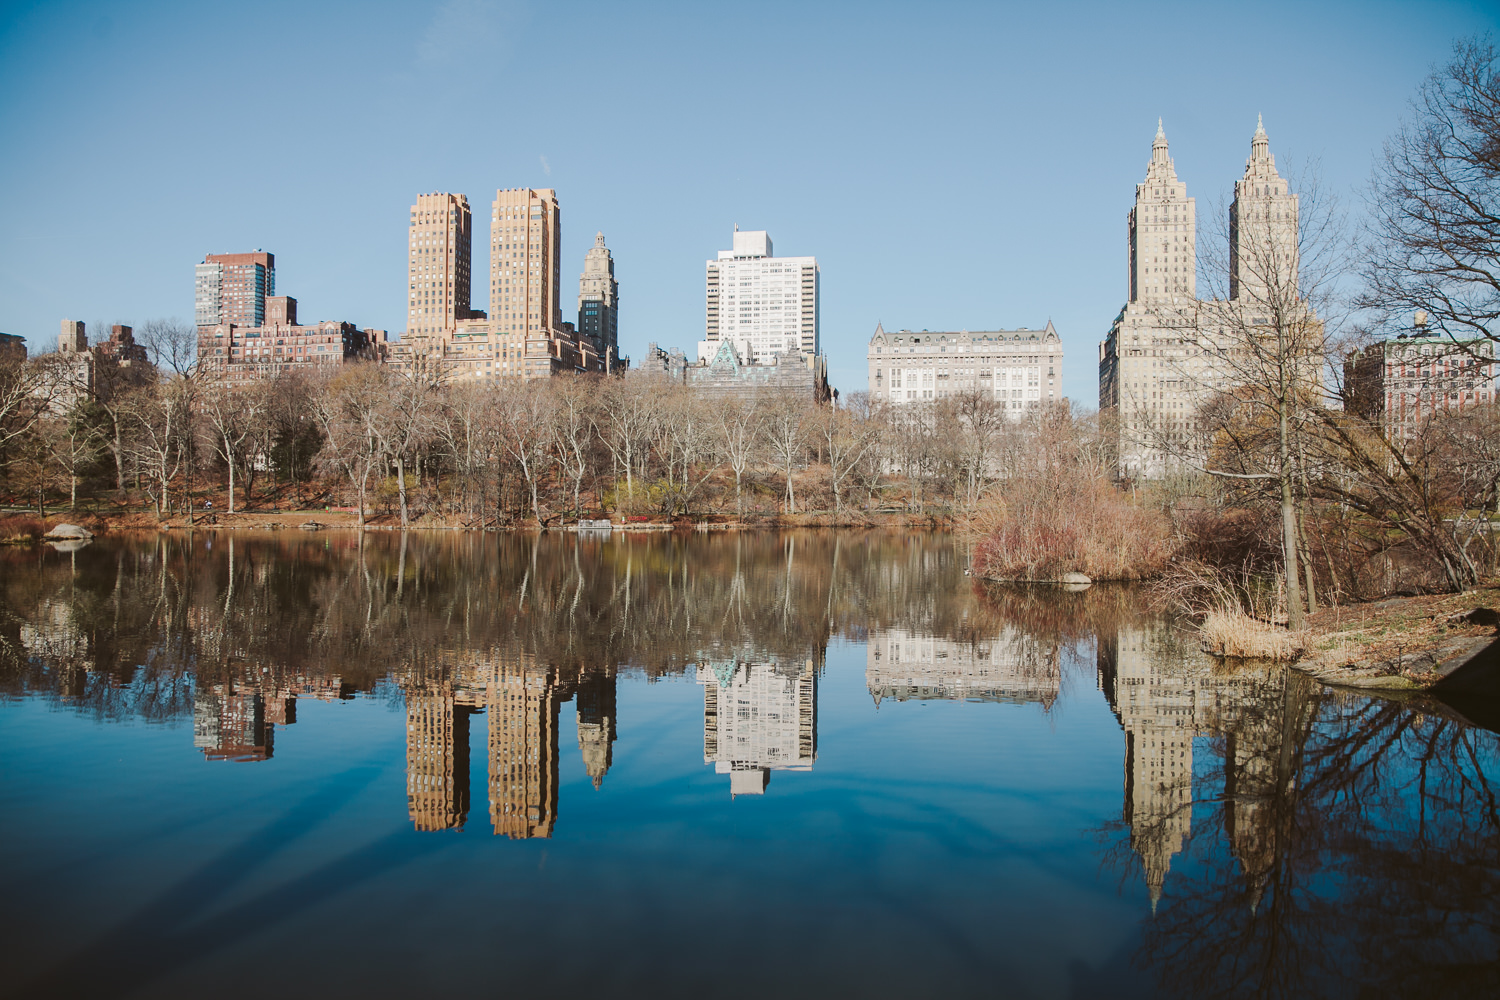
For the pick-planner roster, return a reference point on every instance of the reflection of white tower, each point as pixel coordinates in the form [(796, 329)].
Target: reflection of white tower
[(1156, 709), (758, 717), (1012, 666)]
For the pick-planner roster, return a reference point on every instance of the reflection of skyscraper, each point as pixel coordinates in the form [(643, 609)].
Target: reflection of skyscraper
[(522, 705), (230, 725), (437, 758), (1155, 707), (758, 717), (1013, 666), (596, 723), (1163, 703)]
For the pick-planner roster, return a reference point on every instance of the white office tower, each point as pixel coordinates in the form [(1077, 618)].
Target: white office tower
[(762, 304)]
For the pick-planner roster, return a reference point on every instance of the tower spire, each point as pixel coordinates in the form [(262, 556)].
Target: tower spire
[(1260, 143), (1159, 144)]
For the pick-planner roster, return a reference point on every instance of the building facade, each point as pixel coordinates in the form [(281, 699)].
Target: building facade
[(523, 334), (440, 237), (281, 344), (727, 373), (1012, 666), (599, 303), (1168, 351), (233, 288), (1408, 379), (1021, 367), (12, 347), (761, 303), (82, 364)]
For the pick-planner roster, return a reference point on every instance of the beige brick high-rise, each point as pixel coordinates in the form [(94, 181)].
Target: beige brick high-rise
[(440, 241), (1162, 226), (1262, 227), (523, 335), (525, 242), (1168, 351)]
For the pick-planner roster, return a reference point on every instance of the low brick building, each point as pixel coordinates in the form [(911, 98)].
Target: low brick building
[(282, 344)]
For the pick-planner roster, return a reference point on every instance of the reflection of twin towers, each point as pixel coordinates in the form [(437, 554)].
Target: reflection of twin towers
[(521, 699), (1163, 702)]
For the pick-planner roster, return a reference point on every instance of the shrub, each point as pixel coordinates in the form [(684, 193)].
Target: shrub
[(1067, 520), (18, 529)]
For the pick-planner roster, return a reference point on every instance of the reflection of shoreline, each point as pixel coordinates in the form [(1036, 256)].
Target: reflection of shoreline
[(1012, 667)]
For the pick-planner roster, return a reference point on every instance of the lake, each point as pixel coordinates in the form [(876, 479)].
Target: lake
[(809, 763)]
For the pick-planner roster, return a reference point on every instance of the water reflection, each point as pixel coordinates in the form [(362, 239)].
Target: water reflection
[(758, 717), (1273, 837), (1012, 666)]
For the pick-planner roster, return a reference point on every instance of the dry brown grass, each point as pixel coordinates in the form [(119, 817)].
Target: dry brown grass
[(1229, 632), (20, 529)]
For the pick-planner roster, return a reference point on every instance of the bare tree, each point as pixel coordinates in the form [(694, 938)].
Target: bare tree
[(27, 390), (161, 418), (981, 418), (571, 429), (347, 410), (784, 430), (623, 420), (1434, 203), (844, 438), (525, 416), (737, 420), (404, 422), (462, 430), (74, 442), (233, 413)]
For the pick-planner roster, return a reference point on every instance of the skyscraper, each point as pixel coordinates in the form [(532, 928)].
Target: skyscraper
[(521, 703), (758, 717), (437, 757), (761, 303), (441, 237), (233, 287), (523, 335), (1262, 227), (1168, 350), (1163, 262), (598, 302), (525, 240)]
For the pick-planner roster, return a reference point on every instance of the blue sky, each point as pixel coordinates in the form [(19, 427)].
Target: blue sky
[(951, 165)]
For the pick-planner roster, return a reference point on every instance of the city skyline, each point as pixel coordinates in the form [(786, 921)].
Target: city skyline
[(905, 238)]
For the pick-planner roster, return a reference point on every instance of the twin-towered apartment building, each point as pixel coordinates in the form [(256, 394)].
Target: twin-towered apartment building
[(523, 334)]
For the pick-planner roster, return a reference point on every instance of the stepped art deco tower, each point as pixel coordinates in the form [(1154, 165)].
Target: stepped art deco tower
[(1162, 228), (599, 303), (1262, 229)]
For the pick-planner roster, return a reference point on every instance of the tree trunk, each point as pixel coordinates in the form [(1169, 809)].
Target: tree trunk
[(1289, 539), (229, 460), (401, 488)]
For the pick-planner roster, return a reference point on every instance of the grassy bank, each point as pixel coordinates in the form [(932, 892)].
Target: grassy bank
[(1400, 642)]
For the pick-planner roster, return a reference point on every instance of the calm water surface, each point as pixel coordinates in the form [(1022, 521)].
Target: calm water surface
[(770, 765)]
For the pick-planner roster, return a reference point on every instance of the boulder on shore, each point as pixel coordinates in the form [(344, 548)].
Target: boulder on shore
[(1068, 581), (68, 531)]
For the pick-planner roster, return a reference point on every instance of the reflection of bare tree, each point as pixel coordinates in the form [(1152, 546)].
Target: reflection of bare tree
[(1330, 843), (127, 626)]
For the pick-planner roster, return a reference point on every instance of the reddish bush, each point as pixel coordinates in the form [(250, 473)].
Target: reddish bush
[(20, 527), (1068, 521)]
